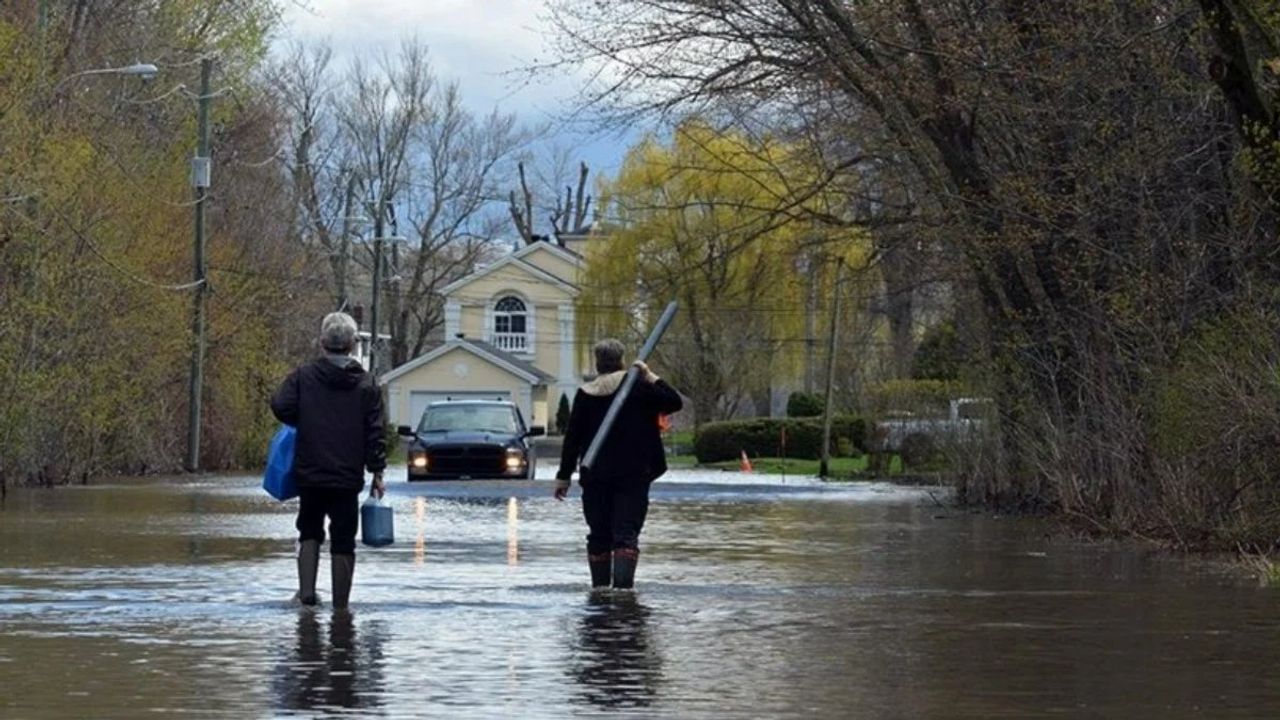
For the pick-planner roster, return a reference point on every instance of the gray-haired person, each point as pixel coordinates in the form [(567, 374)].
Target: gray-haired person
[(615, 491), (337, 409)]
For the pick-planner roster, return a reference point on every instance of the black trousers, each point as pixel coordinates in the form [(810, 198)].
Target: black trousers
[(615, 513), (342, 507)]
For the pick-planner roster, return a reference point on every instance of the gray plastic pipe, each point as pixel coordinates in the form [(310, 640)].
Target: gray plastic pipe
[(627, 383)]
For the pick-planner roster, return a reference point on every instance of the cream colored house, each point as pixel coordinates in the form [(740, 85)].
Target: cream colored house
[(510, 332)]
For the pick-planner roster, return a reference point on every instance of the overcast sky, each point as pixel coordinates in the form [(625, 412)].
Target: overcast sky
[(477, 42)]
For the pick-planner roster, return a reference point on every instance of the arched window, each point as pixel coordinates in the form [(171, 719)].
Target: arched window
[(511, 324)]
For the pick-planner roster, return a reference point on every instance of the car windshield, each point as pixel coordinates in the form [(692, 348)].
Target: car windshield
[(475, 418)]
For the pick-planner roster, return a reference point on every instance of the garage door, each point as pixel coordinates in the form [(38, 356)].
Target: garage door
[(418, 401)]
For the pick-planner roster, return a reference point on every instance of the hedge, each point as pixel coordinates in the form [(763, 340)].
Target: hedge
[(918, 396), (761, 437)]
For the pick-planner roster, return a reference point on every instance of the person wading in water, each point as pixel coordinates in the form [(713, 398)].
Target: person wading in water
[(337, 409), (615, 491)]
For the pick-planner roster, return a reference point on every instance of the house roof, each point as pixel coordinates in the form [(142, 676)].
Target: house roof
[(520, 368), (509, 359), (554, 248), (514, 259)]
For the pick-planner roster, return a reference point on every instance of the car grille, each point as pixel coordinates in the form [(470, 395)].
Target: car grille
[(468, 460)]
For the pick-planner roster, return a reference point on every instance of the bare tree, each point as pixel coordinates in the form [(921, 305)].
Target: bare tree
[(566, 214), (388, 141), (456, 163), (323, 182), (521, 207)]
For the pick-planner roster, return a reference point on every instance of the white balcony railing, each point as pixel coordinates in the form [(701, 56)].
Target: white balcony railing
[(510, 342)]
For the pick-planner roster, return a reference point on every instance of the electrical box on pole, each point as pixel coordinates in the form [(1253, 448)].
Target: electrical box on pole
[(201, 172)]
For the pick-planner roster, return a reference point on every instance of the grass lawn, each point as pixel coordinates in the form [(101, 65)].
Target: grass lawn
[(841, 468)]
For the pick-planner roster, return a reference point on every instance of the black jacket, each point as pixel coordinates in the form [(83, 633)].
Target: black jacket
[(633, 451), (338, 414)]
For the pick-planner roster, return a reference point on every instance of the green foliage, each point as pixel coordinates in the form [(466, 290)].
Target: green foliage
[(940, 355), (923, 397), (1215, 416), (95, 339), (802, 404), (918, 450), (844, 447), (726, 440), (562, 414)]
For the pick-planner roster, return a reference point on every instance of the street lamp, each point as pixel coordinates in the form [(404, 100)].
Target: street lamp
[(146, 71)]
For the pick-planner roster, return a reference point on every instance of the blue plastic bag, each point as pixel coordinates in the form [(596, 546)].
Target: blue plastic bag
[(377, 523), (278, 480)]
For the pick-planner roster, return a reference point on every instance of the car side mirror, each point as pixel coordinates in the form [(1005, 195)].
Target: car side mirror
[(536, 431), (405, 431)]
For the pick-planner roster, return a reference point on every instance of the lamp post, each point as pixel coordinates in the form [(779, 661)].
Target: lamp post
[(200, 181)]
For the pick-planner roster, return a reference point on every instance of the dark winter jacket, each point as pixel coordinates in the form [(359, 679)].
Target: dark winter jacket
[(633, 451), (337, 410)]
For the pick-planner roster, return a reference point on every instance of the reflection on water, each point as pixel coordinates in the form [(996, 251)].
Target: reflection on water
[(171, 598), (333, 667), (513, 532), (420, 542), (616, 663)]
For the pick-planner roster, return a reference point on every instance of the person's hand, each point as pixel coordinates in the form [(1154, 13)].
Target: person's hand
[(379, 488), (562, 490), (646, 374)]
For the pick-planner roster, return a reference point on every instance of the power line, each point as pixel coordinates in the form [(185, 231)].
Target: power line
[(120, 269)]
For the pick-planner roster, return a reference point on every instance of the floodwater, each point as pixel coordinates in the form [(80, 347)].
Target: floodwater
[(757, 598)]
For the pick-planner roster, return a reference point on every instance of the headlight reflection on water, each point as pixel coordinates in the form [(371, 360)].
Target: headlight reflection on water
[(420, 544), (513, 532)]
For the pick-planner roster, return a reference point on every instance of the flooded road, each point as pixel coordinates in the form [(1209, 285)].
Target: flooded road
[(757, 599)]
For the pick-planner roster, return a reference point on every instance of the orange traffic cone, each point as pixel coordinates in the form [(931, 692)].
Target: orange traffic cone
[(745, 465)]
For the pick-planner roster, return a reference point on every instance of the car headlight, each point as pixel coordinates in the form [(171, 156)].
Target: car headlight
[(418, 461), (515, 459)]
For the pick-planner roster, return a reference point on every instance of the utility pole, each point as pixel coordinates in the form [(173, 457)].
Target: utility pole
[(394, 280), (825, 467), (377, 289), (200, 172), (344, 244), (810, 331)]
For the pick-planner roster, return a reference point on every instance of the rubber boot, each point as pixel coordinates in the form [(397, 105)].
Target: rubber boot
[(624, 567), (601, 569), (343, 568), (308, 568)]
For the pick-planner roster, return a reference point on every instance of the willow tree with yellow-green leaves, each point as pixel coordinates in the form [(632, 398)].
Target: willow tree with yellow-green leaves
[(721, 222), (96, 239)]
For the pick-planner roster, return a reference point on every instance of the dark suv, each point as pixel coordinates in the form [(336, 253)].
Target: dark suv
[(471, 439)]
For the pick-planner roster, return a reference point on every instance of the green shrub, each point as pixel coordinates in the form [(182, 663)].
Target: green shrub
[(923, 397), (762, 437), (844, 448), (918, 451), (562, 415), (802, 404)]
